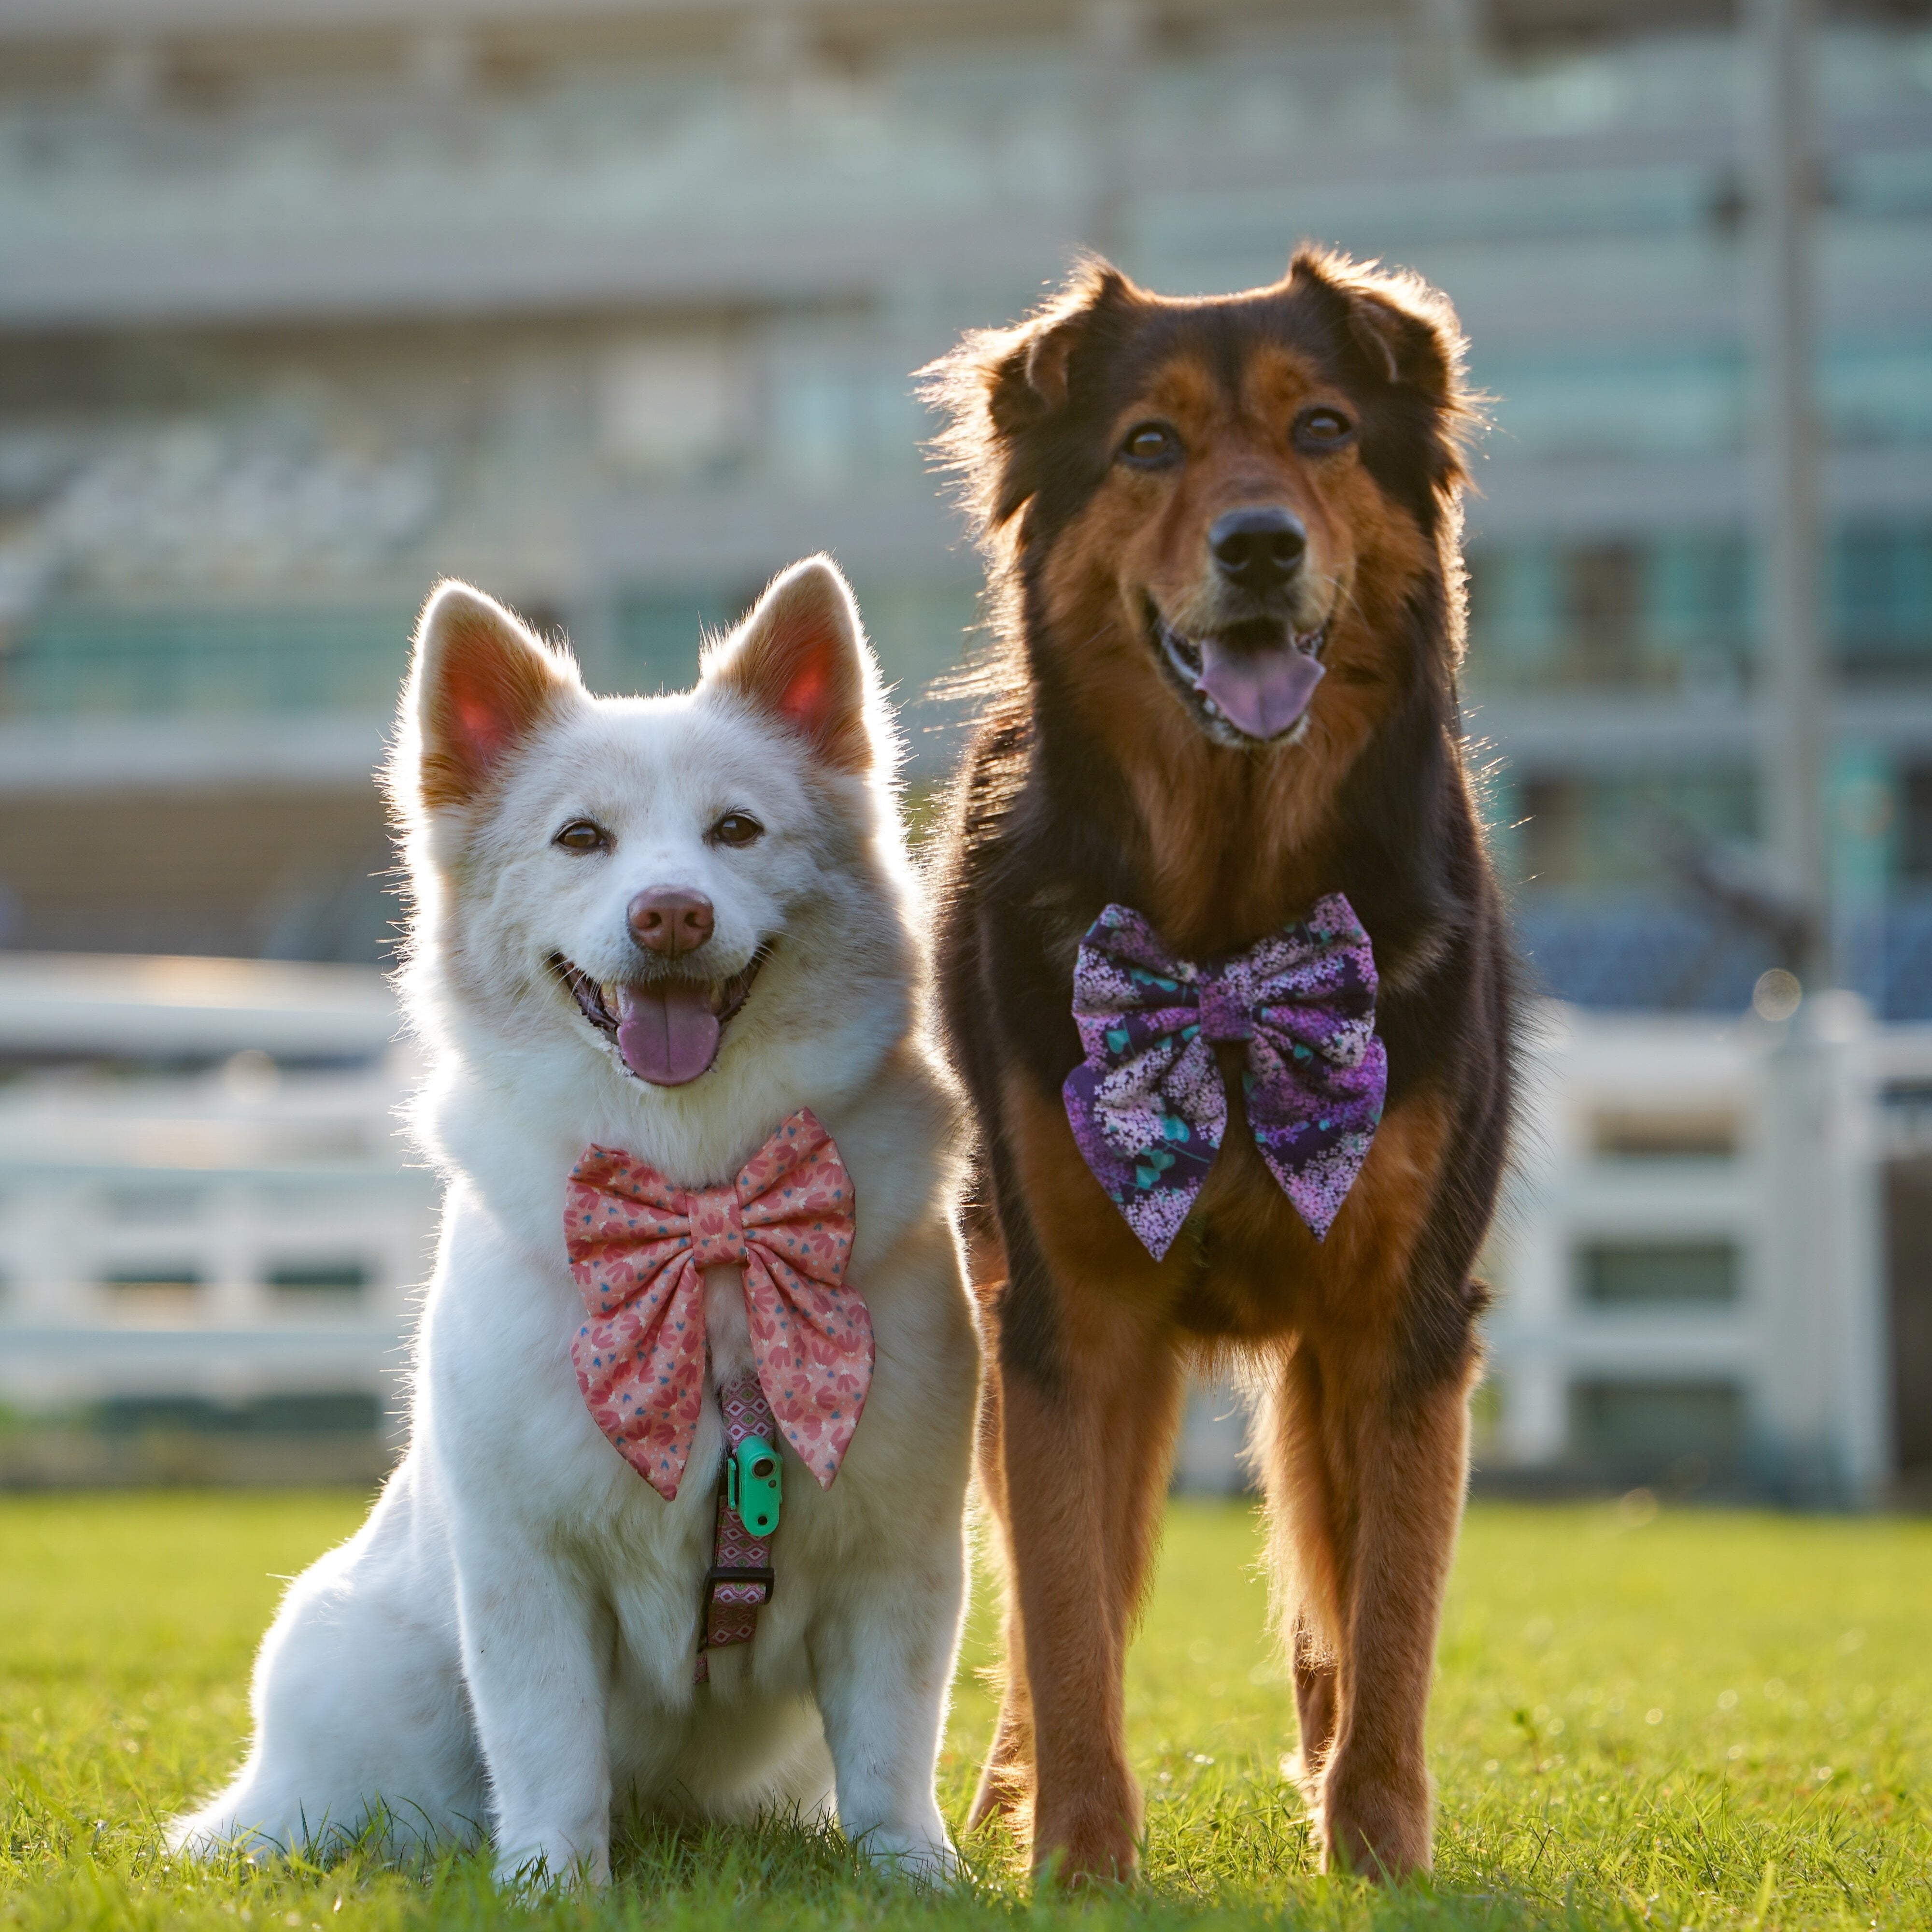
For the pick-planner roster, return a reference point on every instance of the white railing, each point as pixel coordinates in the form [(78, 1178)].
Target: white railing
[(203, 1196), (1668, 1144), (204, 1199)]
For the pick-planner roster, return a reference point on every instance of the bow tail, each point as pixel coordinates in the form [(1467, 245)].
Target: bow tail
[(812, 1344), (1317, 1143), (1148, 1130), (642, 1373)]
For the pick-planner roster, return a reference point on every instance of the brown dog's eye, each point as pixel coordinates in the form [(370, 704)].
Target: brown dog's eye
[(582, 835), (736, 828), (1322, 428), (1151, 445)]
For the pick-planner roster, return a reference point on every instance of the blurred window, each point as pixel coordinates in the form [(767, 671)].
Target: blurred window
[(1650, 1275), (1915, 843), (75, 658), (839, 416), (1641, 949), (301, 1413), (656, 634), (674, 408), (1673, 404), (1602, 586), (163, 1279), (158, 1201), (1877, 392), (1667, 613), (1681, 1433), (160, 1292), (1674, 611), (333, 1281), (1708, 1135), (1609, 829), (1880, 597)]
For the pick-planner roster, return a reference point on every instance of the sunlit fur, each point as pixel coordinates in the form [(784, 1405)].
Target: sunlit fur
[(507, 1646), (1096, 775)]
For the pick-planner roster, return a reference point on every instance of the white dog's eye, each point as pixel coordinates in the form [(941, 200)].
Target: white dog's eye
[(583, 835), (736, 828)]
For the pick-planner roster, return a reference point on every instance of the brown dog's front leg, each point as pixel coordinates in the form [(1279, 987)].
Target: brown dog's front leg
[(1086, 1452), (1302, 1540), (1400, 1463), (1007, 1776)]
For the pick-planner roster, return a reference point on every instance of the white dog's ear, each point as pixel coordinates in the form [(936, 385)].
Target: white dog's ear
[(480, 684), (802, 657)]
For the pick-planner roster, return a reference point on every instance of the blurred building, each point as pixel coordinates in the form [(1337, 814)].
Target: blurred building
[(610, 306)]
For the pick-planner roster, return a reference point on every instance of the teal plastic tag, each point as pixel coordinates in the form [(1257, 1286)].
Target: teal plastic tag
[(755, 1486)]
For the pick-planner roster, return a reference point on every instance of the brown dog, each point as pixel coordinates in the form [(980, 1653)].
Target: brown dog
[(1187, 506)]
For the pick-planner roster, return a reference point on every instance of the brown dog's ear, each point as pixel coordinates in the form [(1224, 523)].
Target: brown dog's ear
[(1032, 379), (1001, 385), (1405, 332), (479, 685), (801, 657)]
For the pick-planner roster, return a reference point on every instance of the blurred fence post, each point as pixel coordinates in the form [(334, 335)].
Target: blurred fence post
[(1826, 1422), (1855, 1285)]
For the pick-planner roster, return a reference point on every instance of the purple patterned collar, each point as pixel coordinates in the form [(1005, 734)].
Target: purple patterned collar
[(1148, 1104)]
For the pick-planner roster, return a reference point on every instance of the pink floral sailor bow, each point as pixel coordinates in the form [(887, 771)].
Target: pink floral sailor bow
[(639, 1246)]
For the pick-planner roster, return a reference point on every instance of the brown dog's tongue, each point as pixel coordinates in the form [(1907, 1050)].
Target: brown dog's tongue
[(667, 1033), (1262, 692)]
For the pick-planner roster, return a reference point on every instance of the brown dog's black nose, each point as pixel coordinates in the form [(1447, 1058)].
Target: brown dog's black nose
[(1258, 549), (670, 920)]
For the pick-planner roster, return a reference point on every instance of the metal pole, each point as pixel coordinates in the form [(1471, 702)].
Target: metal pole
[(1823, 1396), (1797, 701)]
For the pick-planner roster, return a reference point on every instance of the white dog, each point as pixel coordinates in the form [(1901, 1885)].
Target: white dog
[(659, 927)]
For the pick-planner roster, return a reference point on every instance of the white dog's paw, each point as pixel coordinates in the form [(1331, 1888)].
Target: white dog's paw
[(552, 1864), (213, 1834), (188, 1838), (924, 1855)]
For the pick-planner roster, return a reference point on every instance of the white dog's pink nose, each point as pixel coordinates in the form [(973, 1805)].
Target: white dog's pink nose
[(670, 920)]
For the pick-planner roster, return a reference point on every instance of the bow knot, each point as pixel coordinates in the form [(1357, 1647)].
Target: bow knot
[(1223, 1016), (639, 1246), (717, 1227), (1148, 1104)]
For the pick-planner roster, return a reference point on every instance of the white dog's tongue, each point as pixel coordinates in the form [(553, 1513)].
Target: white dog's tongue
[(1261, 693), (667, 1033)]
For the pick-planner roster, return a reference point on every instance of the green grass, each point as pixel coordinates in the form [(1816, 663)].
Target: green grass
[(1699, 1719)]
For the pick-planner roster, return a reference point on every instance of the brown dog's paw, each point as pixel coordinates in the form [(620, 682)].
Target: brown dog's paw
[(1374, 1829), (1092, 1846)]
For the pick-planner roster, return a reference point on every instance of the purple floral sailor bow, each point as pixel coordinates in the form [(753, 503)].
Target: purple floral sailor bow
[(1147, 1105)]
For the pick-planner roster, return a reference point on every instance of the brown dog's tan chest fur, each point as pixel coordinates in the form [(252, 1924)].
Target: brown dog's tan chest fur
[(1245, 1268)]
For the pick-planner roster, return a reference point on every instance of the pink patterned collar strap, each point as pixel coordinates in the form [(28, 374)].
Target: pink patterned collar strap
[(639, 1246), (740, 1580)]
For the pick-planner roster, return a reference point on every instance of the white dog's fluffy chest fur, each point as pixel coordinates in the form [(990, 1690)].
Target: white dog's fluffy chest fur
[(508, 1430), (508, 1645)]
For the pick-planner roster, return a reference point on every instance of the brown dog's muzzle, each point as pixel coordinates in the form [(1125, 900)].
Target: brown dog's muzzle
[(1243, 649)]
